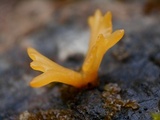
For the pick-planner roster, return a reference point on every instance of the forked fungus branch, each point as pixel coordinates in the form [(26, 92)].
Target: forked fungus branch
[(101, 39)]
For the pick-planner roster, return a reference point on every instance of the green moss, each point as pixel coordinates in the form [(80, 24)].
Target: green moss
[(114, 102), (51, 115), (156, 116)]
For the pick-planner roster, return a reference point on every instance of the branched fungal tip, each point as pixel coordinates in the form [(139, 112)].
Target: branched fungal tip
[(101, 39)]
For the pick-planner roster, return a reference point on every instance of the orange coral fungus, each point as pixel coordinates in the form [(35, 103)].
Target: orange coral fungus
[(101, 40)]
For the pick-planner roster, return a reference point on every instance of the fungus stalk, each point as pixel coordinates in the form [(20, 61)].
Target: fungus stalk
[(101, 39)]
